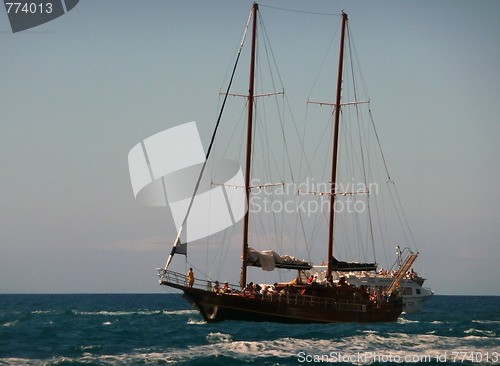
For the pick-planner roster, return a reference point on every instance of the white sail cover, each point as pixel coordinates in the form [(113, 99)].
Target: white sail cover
[(268, 260)]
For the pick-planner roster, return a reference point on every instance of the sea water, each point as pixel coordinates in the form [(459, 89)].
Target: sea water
[(158, 329)]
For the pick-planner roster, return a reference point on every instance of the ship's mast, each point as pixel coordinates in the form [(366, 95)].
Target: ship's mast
[(333, 181), (250, 106)]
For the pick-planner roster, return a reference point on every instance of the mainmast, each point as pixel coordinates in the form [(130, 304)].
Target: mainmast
[(333, 181), (244, 255)]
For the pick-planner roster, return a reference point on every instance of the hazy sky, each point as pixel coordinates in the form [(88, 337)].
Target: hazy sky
[(79, 92)]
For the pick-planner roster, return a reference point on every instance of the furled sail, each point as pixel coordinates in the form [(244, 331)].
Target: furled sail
[(353, 266), (268, 260)]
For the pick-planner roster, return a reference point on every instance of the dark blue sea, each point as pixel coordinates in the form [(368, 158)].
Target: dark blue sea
[(159, 329)]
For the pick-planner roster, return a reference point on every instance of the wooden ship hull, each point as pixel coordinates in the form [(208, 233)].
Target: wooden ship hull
[(303, 304)]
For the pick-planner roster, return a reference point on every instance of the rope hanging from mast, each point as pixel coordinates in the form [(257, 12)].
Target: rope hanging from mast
[(212, 140)]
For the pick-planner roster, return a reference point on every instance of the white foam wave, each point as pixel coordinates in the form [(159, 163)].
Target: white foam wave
[(104, 312), (370, 343), (43, 312), (407, 321), (412, 348), (118, 313), (16, 361), (179, 312), (90, 347), (195, 322), (218, 337), (486, 321), (10, 324), (487, 333), (140, 312)]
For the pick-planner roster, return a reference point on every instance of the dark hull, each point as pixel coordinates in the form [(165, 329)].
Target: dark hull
[(286, 308)]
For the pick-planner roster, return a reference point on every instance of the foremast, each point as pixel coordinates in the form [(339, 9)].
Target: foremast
[(248, 160), (331, 223)]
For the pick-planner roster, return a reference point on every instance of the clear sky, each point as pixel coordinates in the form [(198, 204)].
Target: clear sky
[(79, 92)]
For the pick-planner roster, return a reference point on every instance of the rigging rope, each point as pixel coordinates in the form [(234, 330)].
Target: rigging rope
[(177, 240), (298, 11), (281, 119), (407, 225), (361, 145)]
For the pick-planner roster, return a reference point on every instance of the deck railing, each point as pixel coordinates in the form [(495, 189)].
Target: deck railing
[(182, 280), (171, 277)]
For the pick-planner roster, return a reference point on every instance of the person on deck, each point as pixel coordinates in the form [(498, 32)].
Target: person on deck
[(329, 280), (342, 282), (285, 289), (216, 287), (190, 277), (310, 280), (248, 288)]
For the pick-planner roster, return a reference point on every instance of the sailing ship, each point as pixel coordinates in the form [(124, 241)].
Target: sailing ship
[(330, 298)]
